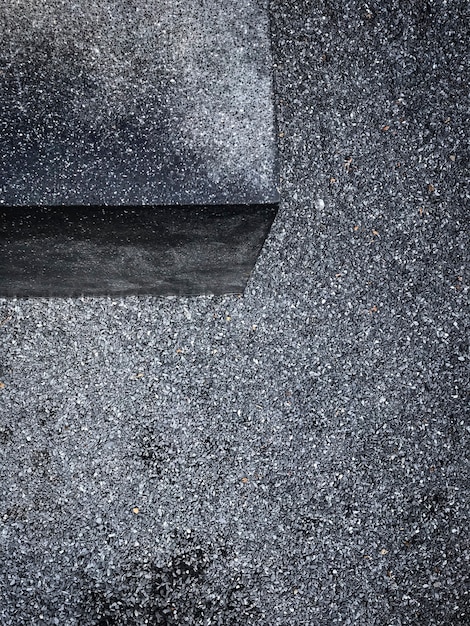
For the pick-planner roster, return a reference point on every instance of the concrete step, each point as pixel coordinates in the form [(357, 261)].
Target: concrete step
[(127, 127)]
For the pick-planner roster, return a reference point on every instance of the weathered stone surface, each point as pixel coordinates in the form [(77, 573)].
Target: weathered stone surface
[(136, 102)]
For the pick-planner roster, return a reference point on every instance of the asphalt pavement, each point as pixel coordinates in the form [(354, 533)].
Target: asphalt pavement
[(298, 455)]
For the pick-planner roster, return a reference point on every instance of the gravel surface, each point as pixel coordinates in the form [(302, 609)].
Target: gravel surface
[(296, 456)]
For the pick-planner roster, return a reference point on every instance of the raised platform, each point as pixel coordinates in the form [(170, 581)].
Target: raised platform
[(117, 117)]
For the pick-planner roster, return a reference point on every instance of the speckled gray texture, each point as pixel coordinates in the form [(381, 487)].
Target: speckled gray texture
[(136, 102), (298, 456)]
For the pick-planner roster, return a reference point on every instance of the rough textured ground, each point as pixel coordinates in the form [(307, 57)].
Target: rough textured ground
[(298, 456)]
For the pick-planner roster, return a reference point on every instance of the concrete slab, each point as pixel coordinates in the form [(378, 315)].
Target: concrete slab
[(157, 103), (136, 103)]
